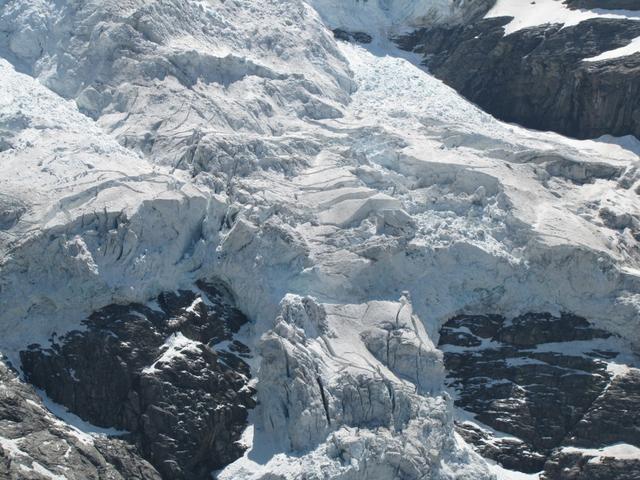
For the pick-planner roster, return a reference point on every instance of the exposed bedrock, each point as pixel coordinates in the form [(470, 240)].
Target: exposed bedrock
[(358, 37), (604, 4), (578, 466), (538, 77), (32, 441), (169, 373), (545, 393), (611, 420)]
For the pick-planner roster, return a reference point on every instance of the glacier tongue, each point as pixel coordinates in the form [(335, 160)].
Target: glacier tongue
[(162, 142)]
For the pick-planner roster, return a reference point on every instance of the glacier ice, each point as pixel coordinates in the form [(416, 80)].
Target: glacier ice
[(148, 144)]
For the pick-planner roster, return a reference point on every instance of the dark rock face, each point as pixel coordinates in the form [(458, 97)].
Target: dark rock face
[(545, 381), (576, 466), (511, 453), (172, 376), (613, 417), (33, 442), (604, 4), (537, 77), (358, 37)]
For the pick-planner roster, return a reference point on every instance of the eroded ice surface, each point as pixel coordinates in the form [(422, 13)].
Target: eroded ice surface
[(146, 145)]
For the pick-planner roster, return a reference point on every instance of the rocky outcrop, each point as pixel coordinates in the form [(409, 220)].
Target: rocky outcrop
[(170, 374), (537, 77), (35, 445), (612, 419), (553, 385), (358, 37), (579, 466), (604, 4)]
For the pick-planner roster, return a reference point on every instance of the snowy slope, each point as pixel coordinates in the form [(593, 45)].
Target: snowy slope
[(86, 221), (149, 144)]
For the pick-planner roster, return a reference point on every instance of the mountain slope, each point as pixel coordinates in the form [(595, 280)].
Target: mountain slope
[(543, 65), (350, 202)]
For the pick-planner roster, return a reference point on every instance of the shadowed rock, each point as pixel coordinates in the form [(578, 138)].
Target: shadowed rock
[(604, 4), (537, 76), (545, 381), (33, 442), (158, 374)]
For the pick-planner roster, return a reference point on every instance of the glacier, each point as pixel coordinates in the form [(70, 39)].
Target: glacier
[(352, 203)]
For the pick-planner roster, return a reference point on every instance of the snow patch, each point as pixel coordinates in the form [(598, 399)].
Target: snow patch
[(619, 451), (527, 14), (502, 473), (630, 49), (172, 348)]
